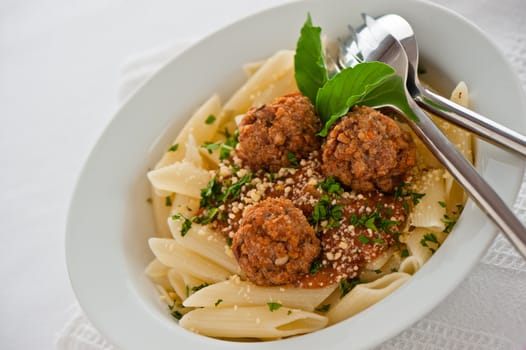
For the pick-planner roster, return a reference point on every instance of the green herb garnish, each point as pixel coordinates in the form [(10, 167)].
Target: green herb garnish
[(430, 238), (292, 159), (451, 220), (324, 210), (369, 83), (211, 146), (210, 119), (173, 148), (199, 287), (309, 61), (346, 285), (363, 239), (373, 221), (274, 306), (315, 266), (323, 308), (331, 186), (187, 223)]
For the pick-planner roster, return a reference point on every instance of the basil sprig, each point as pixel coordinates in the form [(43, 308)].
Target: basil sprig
[(372, 84)]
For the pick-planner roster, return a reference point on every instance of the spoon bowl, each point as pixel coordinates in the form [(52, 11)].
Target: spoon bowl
[(390, 51)]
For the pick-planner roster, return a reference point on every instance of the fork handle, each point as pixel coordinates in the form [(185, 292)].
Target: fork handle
[(480, 125), (468, 177)]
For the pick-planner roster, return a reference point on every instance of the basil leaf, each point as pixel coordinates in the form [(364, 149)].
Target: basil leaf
[(390, 92), (348, 87), (310, 70), (373, 84)]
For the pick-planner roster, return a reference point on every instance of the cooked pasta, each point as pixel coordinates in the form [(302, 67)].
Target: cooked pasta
[(199, 269), (252, 322)]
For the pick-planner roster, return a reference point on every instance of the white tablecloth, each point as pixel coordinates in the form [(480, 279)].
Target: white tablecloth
[(61, 67)]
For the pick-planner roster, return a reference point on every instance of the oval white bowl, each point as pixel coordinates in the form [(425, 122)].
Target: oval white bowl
[(109, 219)]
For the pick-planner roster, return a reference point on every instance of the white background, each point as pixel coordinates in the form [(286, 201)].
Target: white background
[(60, 68)]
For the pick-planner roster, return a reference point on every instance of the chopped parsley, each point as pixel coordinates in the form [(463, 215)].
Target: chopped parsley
[(331, 186), (323, 308), (234, 190), (168, 201), (430, 238), (187, 223), (403, 192), (363, 239), (404, 253), (274, 306), (219, 301), (226, 147), (175, 313), (211, 195), (292, 159), (346, 285), (173, 148), (315, 266), (206, 218), (324, 210), (451, 220), (210, 119), (194, 288), (379, 241), (373, 221), (211, 146), (230, 143)]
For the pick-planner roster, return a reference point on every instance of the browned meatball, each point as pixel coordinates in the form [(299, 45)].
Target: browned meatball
[(275, 244), (367, 150), (276, 135)]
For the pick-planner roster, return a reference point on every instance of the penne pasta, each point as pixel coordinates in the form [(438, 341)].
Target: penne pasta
[(177, 283), (243, 293), (410, 265), (158, 273), (171, 253), (272, 70), (365, 295), (205, 242), (419, 247), (252, 322), (430, 210), (161, 211), (181, 178), (198, 122)]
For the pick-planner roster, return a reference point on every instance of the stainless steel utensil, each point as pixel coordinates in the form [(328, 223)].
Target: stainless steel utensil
[(385, 48), (357, 48)]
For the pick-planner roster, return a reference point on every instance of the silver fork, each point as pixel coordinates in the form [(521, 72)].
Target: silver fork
[(388, 50), (356, 48)]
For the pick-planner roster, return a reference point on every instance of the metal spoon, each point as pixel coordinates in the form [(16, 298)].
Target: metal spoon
[(480, 125), (390, 51)]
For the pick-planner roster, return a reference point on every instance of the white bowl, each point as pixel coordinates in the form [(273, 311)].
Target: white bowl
[(109, 219)]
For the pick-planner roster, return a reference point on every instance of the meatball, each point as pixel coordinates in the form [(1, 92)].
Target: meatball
[(275, 244), (277, 135), (368, 151)]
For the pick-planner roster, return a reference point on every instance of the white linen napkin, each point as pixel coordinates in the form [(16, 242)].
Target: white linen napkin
[(487, 311)]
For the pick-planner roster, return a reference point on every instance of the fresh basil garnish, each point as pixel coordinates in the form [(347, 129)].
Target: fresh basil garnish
[(372, 84)]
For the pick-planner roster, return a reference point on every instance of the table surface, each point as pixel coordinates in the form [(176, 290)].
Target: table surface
[(60, 68)]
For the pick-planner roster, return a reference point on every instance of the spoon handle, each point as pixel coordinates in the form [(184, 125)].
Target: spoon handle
[(486, 128), (468, 177)]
